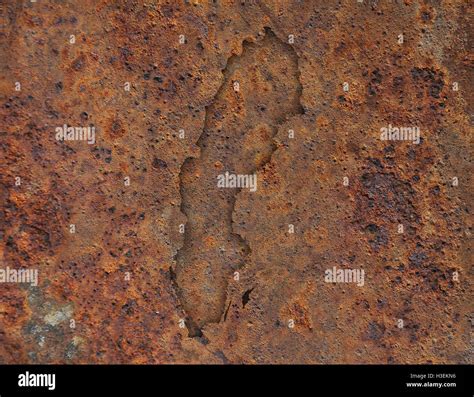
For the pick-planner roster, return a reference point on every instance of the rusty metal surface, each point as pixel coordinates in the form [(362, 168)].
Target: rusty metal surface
[(164, 267)]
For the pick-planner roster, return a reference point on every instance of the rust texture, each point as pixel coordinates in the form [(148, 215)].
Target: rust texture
[(260, 89), (142, 258)]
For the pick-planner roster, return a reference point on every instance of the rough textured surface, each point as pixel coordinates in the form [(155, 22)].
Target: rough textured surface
[(128, 277), (259, 91)]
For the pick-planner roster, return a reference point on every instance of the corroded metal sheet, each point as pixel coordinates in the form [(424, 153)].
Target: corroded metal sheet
[(236, 182)]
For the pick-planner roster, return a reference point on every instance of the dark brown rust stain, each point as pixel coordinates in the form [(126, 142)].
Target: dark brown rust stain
[(237, 138)]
